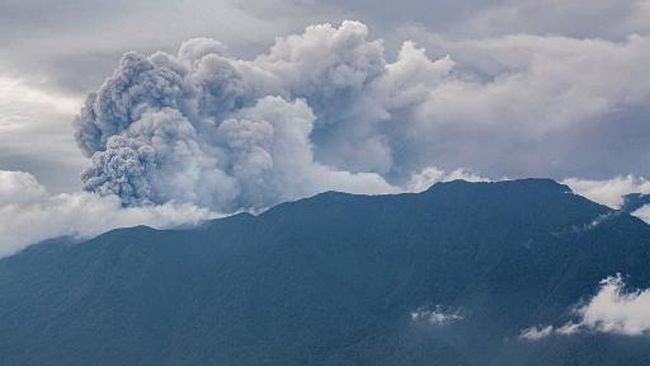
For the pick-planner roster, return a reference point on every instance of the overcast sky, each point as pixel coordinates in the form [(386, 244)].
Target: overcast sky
[(486, 89), (53, 53)]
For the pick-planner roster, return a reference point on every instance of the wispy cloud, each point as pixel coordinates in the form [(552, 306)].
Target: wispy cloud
[(612, 310), (438, 315)]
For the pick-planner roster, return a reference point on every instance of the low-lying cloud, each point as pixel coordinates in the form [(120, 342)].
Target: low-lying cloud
[(609, 192), (437, 316), (612, 192), (30, 214), (612, 310)]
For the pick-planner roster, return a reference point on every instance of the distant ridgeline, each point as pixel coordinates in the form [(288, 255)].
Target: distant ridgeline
[(450, 276)]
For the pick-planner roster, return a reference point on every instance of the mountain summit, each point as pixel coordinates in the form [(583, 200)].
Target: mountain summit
[(449, 276)]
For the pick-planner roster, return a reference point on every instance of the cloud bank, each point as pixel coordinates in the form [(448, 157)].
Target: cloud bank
[(612, 310), (612, 192), (609, 192), (327, 109), (30, 214)]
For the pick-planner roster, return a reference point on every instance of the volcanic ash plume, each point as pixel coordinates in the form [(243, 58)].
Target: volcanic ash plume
[(202, 127)]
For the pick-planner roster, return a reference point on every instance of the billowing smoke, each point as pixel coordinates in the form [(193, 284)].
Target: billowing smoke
[(202, 127), (326, 110)]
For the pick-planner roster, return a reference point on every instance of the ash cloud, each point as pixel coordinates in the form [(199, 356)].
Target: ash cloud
[(326, 109), (202, 127)]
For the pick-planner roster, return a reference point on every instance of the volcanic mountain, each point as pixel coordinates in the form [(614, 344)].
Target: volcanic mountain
[(449, 276)]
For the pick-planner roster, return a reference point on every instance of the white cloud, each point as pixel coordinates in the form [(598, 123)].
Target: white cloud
[(19, 187), (439, 315), (643, 213), (612, 310), (29, 214), (536, 333), (428, 176), (609, 192)]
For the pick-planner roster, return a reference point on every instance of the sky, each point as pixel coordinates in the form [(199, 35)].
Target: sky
[(167, 112)]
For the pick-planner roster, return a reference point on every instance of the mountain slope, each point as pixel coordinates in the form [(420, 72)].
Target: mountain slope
[(333, 280)]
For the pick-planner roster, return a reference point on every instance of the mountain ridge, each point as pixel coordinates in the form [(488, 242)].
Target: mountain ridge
[(333, 280)]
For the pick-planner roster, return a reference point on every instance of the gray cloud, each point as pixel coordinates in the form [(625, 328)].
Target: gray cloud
[(531, 105), (56, 41), (610, 19), (68, 48), (502, 88), (206, 128), (36, 134), (328, 109)]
